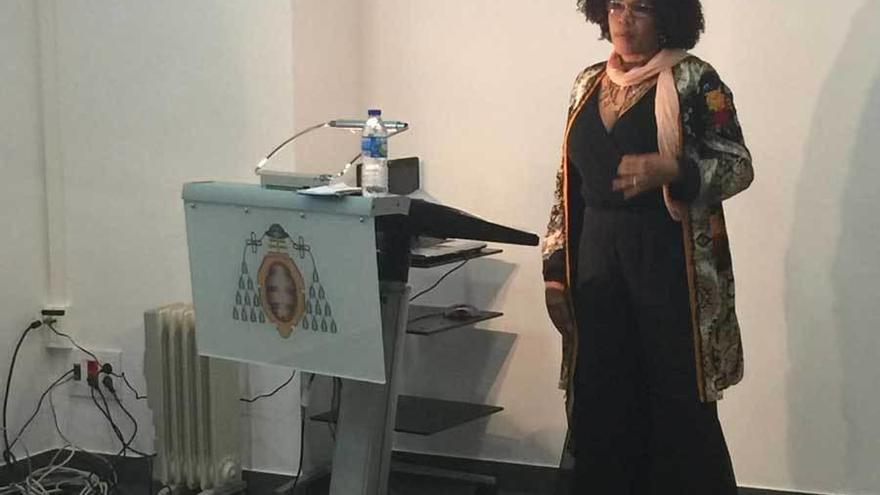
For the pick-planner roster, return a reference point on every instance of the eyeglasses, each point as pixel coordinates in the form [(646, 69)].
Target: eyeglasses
[(638, 10)]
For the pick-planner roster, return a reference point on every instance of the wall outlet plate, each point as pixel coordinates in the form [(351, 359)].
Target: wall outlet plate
[(51, 340), (81, 388)]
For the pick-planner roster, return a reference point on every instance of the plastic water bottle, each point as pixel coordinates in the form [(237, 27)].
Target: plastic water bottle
[(374, 150)]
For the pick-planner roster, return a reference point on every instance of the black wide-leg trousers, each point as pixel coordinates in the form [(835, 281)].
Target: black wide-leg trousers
[(639, 425)]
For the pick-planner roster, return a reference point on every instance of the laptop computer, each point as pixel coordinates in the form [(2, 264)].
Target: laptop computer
[(434, 249)]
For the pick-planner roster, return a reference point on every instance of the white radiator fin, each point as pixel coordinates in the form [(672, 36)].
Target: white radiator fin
[(194, 401)]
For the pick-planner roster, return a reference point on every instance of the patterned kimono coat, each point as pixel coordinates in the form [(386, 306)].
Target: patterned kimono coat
[(713, 142)]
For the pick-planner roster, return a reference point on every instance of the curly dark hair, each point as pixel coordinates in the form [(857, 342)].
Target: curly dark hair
[(679, 22)]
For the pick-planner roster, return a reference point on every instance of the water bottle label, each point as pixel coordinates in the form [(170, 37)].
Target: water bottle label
[(374, 146)]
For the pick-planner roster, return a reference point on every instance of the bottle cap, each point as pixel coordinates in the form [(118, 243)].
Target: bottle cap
[(374, 112)]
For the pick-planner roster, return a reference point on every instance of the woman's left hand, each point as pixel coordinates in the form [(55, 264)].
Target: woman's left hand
[(639, 173)]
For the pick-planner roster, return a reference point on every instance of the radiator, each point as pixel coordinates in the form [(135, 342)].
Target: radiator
[(194, 400)]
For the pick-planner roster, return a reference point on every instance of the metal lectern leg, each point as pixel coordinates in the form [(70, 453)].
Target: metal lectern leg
[(362, 458)]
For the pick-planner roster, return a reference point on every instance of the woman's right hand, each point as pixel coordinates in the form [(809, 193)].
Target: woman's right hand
[(558, 307)]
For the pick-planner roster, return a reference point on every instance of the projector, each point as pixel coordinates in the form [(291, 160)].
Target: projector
[(292, 181)]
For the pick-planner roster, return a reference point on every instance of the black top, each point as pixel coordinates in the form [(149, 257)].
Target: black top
[(595, 153)]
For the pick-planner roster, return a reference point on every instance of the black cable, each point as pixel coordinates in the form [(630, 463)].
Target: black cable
[(112, 482), (51, 326), (270, 394), (435, 284), (107, 381), (106, 369), (335, 402), (8, 456), (134, 422), (332, 408), (107, 416), (137, 394), (58, 381), (125, 445), (302, 454), (7, 452), (104, 412)]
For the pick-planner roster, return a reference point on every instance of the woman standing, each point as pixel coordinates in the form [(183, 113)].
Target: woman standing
[(637, 266)]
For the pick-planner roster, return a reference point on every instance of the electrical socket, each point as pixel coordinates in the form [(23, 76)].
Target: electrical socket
[(112, 357)]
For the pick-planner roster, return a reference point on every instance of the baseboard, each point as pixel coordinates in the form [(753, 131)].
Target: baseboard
[(523, 477), (519, 478), (759, 491), (764, 491)]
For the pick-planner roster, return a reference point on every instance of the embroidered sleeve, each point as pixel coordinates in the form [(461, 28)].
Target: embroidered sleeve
[(554, 239), (718, 150)]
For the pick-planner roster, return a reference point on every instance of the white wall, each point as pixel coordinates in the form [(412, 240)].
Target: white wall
[(328, 71), (485, 85), (140, 99), (485, 88), (152, 95), (22, 217), (805, 240)]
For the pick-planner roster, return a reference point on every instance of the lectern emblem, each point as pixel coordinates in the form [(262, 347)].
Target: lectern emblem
[(280, 295), (282, 291)]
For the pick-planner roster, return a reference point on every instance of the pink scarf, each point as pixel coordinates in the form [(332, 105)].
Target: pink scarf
[(666, 107)]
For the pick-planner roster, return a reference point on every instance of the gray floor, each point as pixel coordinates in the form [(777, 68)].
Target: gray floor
[(133, 475), (403, 487)]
